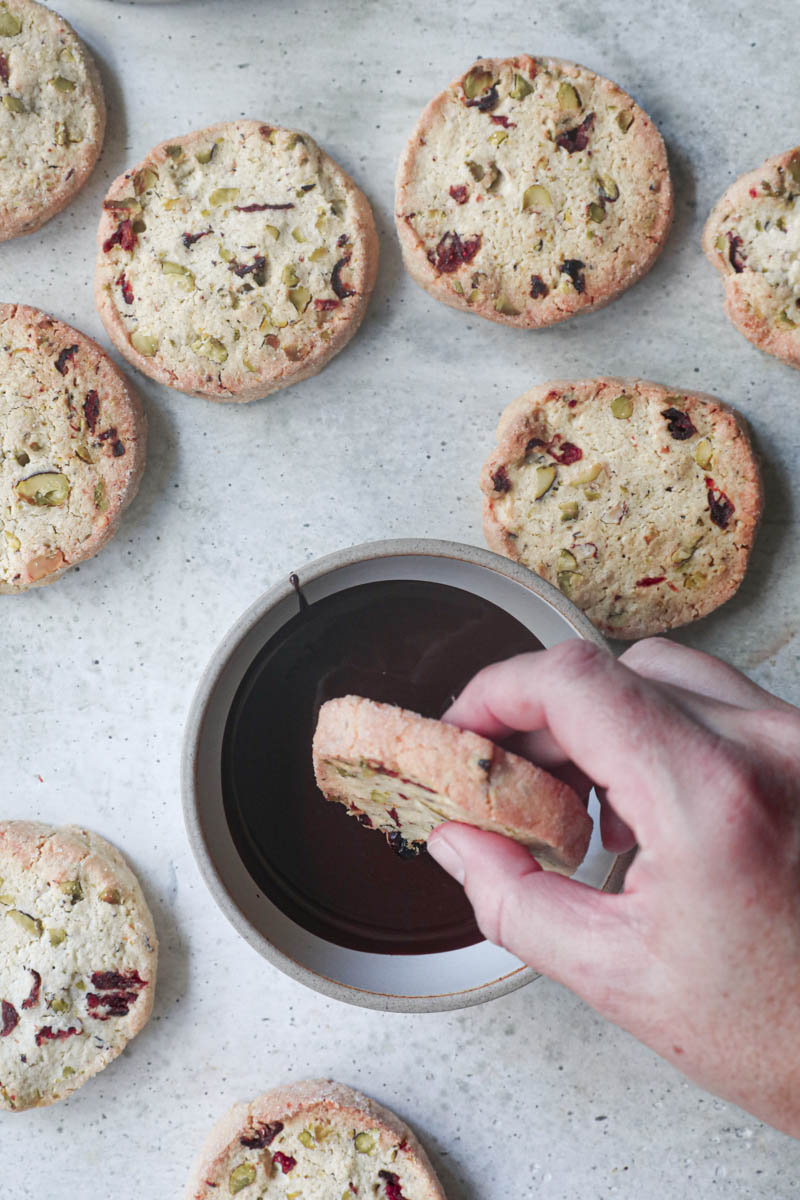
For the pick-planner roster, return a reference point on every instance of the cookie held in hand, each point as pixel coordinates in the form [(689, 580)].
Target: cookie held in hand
[(638, 502), (404, 774)]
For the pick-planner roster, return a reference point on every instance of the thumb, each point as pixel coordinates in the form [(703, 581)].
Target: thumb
[(568, 931)]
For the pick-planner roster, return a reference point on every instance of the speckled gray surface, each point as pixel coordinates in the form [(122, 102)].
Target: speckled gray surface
[(532, 1094)]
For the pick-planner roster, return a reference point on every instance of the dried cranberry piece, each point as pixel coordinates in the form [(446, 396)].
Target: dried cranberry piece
[(127, 290), (504, 121), (341, 289), (459, 193), (342, 240), (284, 1161), (735, 255), (325, 305), (62, 362), (47, 1034), (259, 207), (33, 995), (10, 1019), (4, 73), (577, 138), (113, 981), (257, 268), (116, 1004), (538, 287), (563, 452), (678, 424), (189, 239), (91, 409), (364, 819), (500, 480), (720, 507), (117, 449), (485, 764), (487, 101), (123, 236), (451, 252), (393, 814), (649, 580), (392, 1182), (574, 268), (262, 1136), (401, 847)]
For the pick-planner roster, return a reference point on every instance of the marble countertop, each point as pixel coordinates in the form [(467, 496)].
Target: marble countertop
[(531, 1095)]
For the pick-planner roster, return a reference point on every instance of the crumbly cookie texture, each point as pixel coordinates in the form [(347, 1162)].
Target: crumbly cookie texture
[(318, 1140), (753, 239), (78, 956), (532, 189), (638, 502), (72, 447), (234, 261), (52, 115), (404, 774)]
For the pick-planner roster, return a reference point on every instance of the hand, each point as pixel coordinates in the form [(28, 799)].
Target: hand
[(699, 957)]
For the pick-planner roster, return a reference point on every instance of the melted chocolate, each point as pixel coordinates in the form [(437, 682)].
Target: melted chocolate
[(411, 643)]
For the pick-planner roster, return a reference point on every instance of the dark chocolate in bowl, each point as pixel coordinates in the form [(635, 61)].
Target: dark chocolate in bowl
[(409, 642)]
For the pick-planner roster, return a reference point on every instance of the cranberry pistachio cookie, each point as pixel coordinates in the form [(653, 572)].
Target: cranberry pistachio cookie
[(753, 239), (318, 1140), (638, 502), (531, 190), (78, 956), (52, 115), (234, 261), (404, 774), (72, 447)]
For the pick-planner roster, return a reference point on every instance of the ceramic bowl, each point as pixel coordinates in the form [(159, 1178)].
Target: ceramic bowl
[(407, 982)]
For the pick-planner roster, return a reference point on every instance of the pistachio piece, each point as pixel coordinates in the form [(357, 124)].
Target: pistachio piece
[(703, 453), (144, 180), (241, 1177), (475, 169), (13, 105), (476, 81), (47, 489), (61, 84), (785, 320), (210, 347), (65, 1074), (522, 88), (72, 889), (60, 1005), (458, 287), (625, 120), (12, 539), (569, 511), (545, 477), (222, 196), (298, 235), (273, 232), (493, 178), (566, 561), (225, 254), (596, 212), (180, 275), (536, 196), (622, 406), (289, 275), (586, 476), (498, 137), (100, 497), (608, 187), (111, 895), (568, 581), (57, 936), (205, 156), (6, 899), (10, 25), (30, 924), (306, 1139), (318, 254), (568, 98), (364, 1143), (22, 457), (145, 343), (504, 306), (300, 298), (694, 581), (82, 452)]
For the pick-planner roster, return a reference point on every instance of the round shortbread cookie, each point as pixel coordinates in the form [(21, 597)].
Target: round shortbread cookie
[(753, 239), (638, 502), (78, 955), (72, 447), (404, 774), (317, 1139), (52, 115), (532, 189), (234, 261)]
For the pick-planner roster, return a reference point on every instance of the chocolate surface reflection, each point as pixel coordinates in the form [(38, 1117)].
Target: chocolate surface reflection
[(412, 643)]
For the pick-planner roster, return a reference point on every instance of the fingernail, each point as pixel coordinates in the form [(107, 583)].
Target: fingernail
[(446, 856)]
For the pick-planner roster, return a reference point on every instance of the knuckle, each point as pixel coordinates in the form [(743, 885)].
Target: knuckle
[(577, 659), (650, 651)]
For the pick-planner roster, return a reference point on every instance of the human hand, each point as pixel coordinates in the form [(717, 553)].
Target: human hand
[(699, 956)]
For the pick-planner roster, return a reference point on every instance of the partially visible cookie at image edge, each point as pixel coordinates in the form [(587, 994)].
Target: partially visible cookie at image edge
[(638, 501), (532, 189), (52, 115), (234, 261), (752, 237), (78, 959)]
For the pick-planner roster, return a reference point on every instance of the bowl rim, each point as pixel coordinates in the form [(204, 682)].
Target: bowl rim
[(195, 719)]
